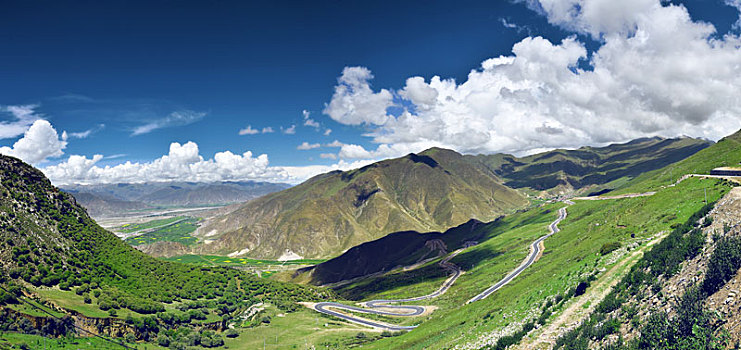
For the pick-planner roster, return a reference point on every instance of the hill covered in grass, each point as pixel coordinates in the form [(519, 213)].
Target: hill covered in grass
[(53, 252), (431, 191), (591, 169), (726, 152), (324, 216), (392, 251)]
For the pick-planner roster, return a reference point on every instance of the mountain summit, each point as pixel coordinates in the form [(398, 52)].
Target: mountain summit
[(326, 215)]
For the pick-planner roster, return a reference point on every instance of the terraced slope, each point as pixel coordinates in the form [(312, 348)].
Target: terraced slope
[(330, 213)]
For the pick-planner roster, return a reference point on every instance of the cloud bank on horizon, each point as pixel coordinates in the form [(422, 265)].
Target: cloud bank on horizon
[(656, 72)]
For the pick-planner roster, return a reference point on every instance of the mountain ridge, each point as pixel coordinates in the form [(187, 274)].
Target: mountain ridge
[(433, 190), (337, 210)]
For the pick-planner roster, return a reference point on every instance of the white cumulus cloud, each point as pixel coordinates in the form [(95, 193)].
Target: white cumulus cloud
[(354, 102), (288, 131), (248, 131), (183, 162), (308, 121), (655, 72), (38, 143)]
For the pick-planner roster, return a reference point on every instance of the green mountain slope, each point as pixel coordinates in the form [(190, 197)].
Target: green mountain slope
[(591, 169), (598, 243), (51, 249), (330, 213), (392, 251), (726, 152), (431, 191)]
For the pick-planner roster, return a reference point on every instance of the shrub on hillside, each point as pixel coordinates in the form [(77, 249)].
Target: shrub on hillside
[(608, 248), (581, 288), (723, 264)]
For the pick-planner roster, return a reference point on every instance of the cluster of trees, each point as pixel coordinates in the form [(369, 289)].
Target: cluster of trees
[(723, 264), (59, 244), (183, 338), (608, 248), (52, 327)]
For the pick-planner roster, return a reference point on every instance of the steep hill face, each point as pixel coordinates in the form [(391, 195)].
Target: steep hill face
[(430, 191), (591, 169), (726, 152), (47, 239), (682, 294), (392, 251)]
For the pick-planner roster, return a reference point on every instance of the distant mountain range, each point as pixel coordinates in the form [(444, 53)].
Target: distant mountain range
[(101, 205), (114, 199), (430, 191)]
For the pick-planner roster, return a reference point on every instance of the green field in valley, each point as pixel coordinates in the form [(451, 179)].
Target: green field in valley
[(135, 227), (172, 230), (214, 260)]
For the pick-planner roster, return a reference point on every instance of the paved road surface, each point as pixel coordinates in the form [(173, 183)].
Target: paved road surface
[(324, 308), (534, 251), (414, 310), (370, 306)]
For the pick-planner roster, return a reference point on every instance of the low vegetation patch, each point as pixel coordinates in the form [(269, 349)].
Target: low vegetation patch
[(692, 327), (174, 232)]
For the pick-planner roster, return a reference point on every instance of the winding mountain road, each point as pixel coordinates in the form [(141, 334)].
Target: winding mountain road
[(371, 306), (413, 310), (535, 249)]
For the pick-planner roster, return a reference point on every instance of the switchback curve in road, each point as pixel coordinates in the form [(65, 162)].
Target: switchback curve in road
[(535, 249), (372, 306)]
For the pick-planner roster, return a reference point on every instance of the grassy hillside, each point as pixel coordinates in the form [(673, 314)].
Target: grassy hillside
[(332, 212), (598, 244), (726, 152), (665, 301), (51, 250), (391, 251), (572, 256), (590, 169)]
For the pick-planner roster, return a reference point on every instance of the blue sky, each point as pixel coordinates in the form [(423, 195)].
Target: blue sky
[(126, 79)]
